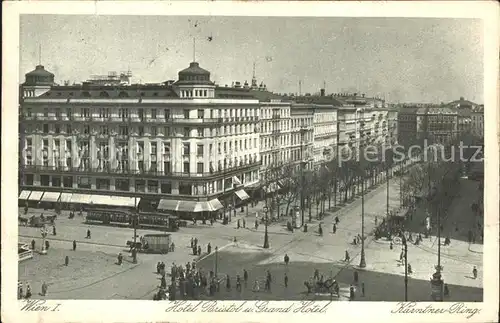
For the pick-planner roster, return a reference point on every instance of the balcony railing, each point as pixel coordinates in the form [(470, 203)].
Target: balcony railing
[(136, 172)]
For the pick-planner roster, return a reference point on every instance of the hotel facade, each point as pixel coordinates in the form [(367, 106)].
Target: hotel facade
[(176, 146), (187, 145)]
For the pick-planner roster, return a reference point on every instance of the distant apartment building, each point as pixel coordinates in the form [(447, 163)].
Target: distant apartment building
[(275, 133), (178, 145)]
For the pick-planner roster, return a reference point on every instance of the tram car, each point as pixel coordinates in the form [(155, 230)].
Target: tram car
[(122, 217)]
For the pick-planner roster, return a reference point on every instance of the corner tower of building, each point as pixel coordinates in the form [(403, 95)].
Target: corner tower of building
[(37, 82), (194, 82)]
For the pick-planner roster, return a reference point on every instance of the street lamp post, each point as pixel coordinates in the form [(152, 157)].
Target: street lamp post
[(216, 259), (405, 245), (43, 232), (362, 262), (266, 237), (135, 220)]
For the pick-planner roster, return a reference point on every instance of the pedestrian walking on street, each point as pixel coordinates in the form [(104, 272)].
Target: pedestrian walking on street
[(245, 277), (256, 224), (244, 223), (390, 245), (401, 255), (47, 244), (28, 291), (228, 283), (33, 244), (446, 290), (74, 245), (66, 261), (351, 293), (347, 258), (209, 248), (54, 230), (287, 259), (88, 234), (199, 250), (195, 242), (337, 220), (192, 242), (363, 289), (20, 293), (316, 274), (334, 228), (474, 272), (286, 280), (238, 224), (376, 220), (356, 277), (44, 289), (256, 287), (410, 270)]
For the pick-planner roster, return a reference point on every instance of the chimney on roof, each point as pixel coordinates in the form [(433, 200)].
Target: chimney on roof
[(461, 98), (363, 95), (322, 92), (237, 85)]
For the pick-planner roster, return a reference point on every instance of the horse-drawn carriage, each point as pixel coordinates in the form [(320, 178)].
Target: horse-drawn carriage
[(319, 286), (36, 221)]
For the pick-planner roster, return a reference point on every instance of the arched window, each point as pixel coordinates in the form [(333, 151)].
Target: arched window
[(123, 94), (104, 94), (85, 94)]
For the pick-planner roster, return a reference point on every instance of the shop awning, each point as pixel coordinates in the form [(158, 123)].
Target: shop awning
[(24, 195), (65, 197), (186, 206), (168, 205), (35, 196), (242, 195), (202, 207), (81, 198), (216, 204), (101, 200), (51, 196)]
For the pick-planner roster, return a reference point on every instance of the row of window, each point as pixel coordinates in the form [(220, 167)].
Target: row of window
[(143, 186), (144, 113), (154, 131)]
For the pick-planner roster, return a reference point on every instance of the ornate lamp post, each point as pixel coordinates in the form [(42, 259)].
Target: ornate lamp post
[(43, 232), (266, 236), (362, 262)]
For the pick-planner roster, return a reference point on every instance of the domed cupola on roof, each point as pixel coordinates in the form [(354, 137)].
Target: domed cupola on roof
[(37, 82), (39, 76), (194, 82)]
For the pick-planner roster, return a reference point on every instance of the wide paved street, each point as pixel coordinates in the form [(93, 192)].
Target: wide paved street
[(93, 274)]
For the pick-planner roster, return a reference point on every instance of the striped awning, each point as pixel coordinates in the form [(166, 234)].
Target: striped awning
[(114, 200), (65, 197), (168, 205), (242, 195), (81, 198), (24, 195), (186, 206), (216, 204), (51, 196), (203, 207), (35, 196)]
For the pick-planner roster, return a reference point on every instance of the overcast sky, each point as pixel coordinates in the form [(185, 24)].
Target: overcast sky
[(406, 60)]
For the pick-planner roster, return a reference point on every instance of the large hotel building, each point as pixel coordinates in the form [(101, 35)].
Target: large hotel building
[(188, 145)]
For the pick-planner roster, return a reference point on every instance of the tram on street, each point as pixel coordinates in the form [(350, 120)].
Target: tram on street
[(122, 217)]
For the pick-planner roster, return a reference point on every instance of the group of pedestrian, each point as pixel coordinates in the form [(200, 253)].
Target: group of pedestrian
[(195, 247), (21, 294), (243, 221)]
